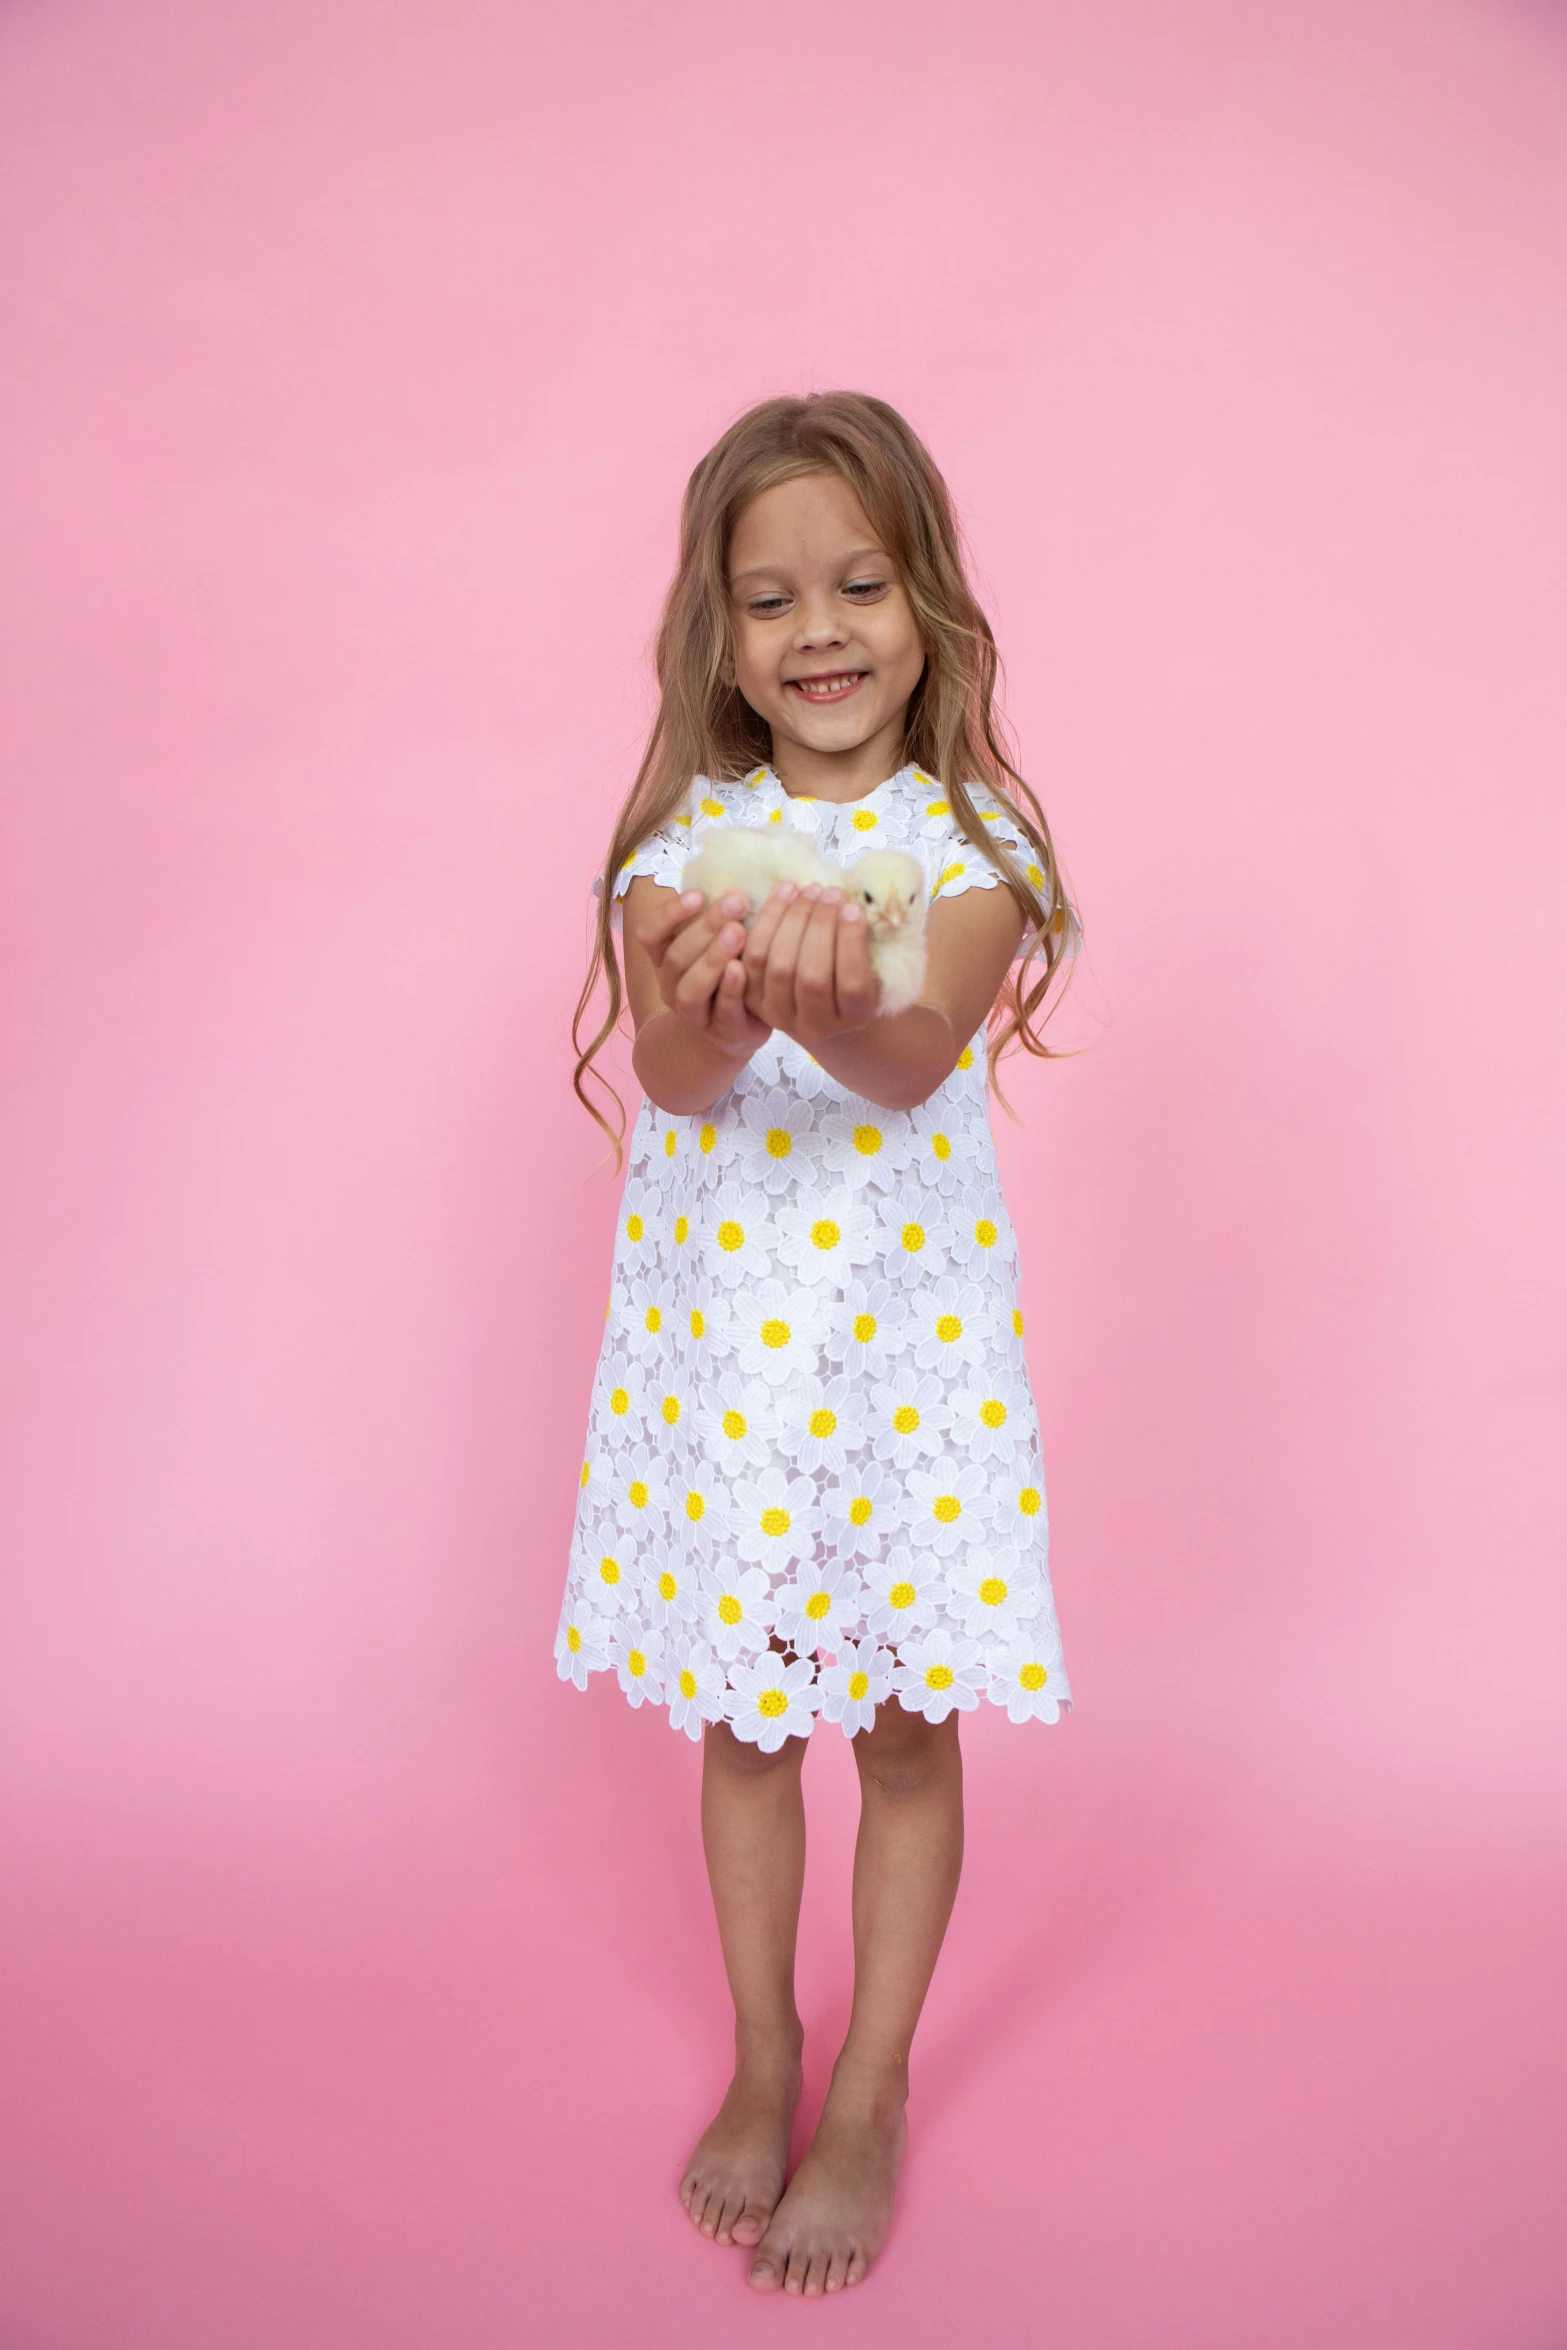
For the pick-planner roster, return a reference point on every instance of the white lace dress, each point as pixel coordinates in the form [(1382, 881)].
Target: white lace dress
[(812, 1476)]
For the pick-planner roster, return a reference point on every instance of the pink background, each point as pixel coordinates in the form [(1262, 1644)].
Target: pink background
[(359, 1982)]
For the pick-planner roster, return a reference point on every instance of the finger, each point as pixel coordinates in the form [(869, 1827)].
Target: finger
[(692, 995), (763, 930), (815, 1001), (731, 1024), (854, 981), (777, 990), (657, 928), (700, 937)]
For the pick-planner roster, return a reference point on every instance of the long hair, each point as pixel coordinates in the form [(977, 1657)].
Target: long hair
[(953, 731)]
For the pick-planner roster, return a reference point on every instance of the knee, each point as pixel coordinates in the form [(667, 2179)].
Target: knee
[(904, 1754), (738, 1758)]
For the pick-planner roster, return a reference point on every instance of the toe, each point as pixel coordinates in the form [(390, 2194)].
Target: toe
[(765, 2272), (751, 2226), (696, 2209), (728, 2212), (816, 2274), (858, 2264), (837, 2268)]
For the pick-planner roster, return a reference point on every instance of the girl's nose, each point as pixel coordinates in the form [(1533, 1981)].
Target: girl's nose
[(818, 622)]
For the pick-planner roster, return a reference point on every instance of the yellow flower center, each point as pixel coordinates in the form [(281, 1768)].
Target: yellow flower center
[(860, 1510), (867, 1141), (946, 1507), (1036, 875), (864, 820), (609, 1571), (734, 1425), (818, 1605), (825, 1233), (914, 1238), (669, 1144), (687, 1682), (730, 1235), (780, 1142), (634, 1228), (950, 873), (696, 1507), (901, 1595), (654, 1319), (985, 1233), (729, 1609), (706, 1139), (636, 1663), (573, 1638), (1017, 1322), (775, 1333), (772, 1703), (966, 1057), (993, 1412), (936, 807), (992, 1591), (1033, 1676), (682, 1230), (822, 1422), (1028, 1501), (585, 1475), (619, 1401), (905, 1419), (670, 1407), (864, 1328), (858, 1684), (712, 807), (941, 1146), (775, 1521), (948, 1327), (667, 1586), (637, 1494), (938, 1676), (698, 1323)]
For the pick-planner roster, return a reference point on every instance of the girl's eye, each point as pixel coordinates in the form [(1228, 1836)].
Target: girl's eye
[(765, 606), (865, 587)]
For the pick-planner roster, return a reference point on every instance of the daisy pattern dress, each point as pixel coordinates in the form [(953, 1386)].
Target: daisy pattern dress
[(812, 1477)]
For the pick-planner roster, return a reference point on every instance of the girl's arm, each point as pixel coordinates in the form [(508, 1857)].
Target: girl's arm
[(808, 972), (686, 987)]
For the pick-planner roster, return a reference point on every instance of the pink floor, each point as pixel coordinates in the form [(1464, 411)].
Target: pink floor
[(357, 1984), (1169, 2091)]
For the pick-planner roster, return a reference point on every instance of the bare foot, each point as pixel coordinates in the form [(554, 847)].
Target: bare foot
[(736, 2175), (833, 2221)]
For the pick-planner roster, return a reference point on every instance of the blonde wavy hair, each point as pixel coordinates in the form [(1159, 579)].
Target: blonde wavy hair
[(704, 725)]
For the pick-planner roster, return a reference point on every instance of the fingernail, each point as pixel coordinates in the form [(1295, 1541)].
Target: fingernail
[(784, 890), (848, 912), (734, 903), (691, 899)]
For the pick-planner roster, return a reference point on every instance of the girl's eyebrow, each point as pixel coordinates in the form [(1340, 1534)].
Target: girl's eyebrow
[(771, 570)]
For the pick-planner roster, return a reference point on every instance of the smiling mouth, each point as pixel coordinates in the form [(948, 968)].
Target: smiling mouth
[(827, 689)]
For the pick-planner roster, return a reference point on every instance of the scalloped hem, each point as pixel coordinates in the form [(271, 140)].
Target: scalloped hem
[(694, 1714)]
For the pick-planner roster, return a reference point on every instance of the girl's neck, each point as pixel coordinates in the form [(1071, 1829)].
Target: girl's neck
[(808, 774)]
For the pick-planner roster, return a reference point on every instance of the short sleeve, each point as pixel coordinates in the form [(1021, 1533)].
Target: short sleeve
[(959, 865), (662, 857)]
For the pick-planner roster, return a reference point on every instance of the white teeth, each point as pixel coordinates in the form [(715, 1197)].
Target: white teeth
[(819, 687)]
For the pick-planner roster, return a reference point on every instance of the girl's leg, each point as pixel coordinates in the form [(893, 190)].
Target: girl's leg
[(832, 2221), (753, 1832)]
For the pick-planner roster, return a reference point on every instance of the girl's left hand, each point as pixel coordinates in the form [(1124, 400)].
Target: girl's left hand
[(807, 965)]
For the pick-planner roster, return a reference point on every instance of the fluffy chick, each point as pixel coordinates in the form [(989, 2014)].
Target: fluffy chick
[(891, 888), (749, 861)]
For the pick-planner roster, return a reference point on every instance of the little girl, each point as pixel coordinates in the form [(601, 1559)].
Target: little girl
[(812, 1485)]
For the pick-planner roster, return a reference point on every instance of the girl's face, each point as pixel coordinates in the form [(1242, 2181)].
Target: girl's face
[(825, 643)]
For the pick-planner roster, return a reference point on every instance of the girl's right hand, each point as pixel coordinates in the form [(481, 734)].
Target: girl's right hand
[(695, 951)]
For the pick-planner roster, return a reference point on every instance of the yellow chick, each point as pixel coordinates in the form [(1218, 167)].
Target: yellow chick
[(891, 888), (749, 862)]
